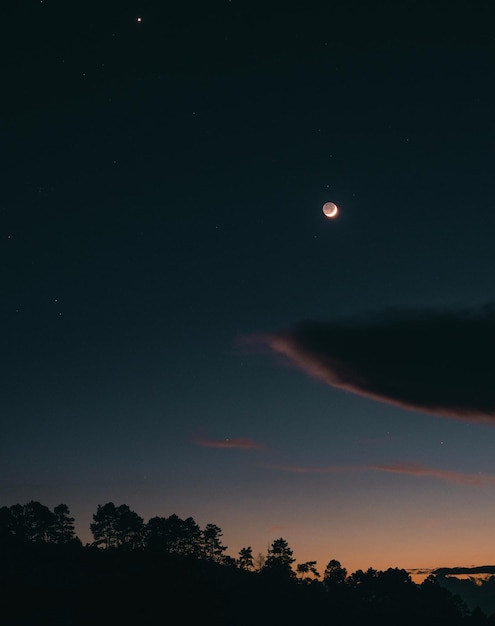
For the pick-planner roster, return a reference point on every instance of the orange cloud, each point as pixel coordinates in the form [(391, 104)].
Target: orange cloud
[(298, 469), (416, 469), (244, 443)]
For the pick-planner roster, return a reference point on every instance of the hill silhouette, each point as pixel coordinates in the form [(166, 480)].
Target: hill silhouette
[(147, 573)]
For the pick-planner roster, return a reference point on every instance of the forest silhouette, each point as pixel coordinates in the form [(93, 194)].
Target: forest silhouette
[(140, 573)]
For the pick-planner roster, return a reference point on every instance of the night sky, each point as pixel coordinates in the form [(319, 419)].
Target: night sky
[(182, 328)]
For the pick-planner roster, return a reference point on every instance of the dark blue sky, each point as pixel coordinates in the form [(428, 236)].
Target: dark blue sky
[(162, 192)]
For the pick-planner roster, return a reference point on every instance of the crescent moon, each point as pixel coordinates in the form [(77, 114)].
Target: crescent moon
[(330, 209)]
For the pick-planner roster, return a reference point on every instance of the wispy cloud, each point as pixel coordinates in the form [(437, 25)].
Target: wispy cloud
[(384, 439), (412, 469), (240, 442), (439, 362), (416, 469), (301, 469), (277, 528)]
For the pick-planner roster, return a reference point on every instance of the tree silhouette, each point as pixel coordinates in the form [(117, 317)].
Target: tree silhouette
[(212, 547), (63, 528), (334, 574), (363, 580), (6, 533), (39, 522), (12, 528), (174, 536), (104, 526), (35, 523), (279, 558), (17, 522), (36, 569), (437, 600), (259, 562), (130, 528), (156, 534), (305, 568), (116, 527), (384, 596), (185, 535), (245, 560)]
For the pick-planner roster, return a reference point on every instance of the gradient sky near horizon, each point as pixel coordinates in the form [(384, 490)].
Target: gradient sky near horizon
[(164, 169)]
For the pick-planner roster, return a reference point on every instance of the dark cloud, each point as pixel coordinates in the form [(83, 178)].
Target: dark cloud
[(452, 571), (439, 362)]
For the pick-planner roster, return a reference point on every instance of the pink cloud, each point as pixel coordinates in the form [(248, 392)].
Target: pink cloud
[(416, 469), (412, 469), (299, 469), (276, 528), (244, 443)]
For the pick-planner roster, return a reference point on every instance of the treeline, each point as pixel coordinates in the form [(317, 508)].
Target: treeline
[(120, 528), (137, 572), (36, 523)]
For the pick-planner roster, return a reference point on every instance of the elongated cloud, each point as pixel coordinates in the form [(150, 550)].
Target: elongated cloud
[(241, 442), (413, 469), (301, 469), (416, 469), (433, 361)]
